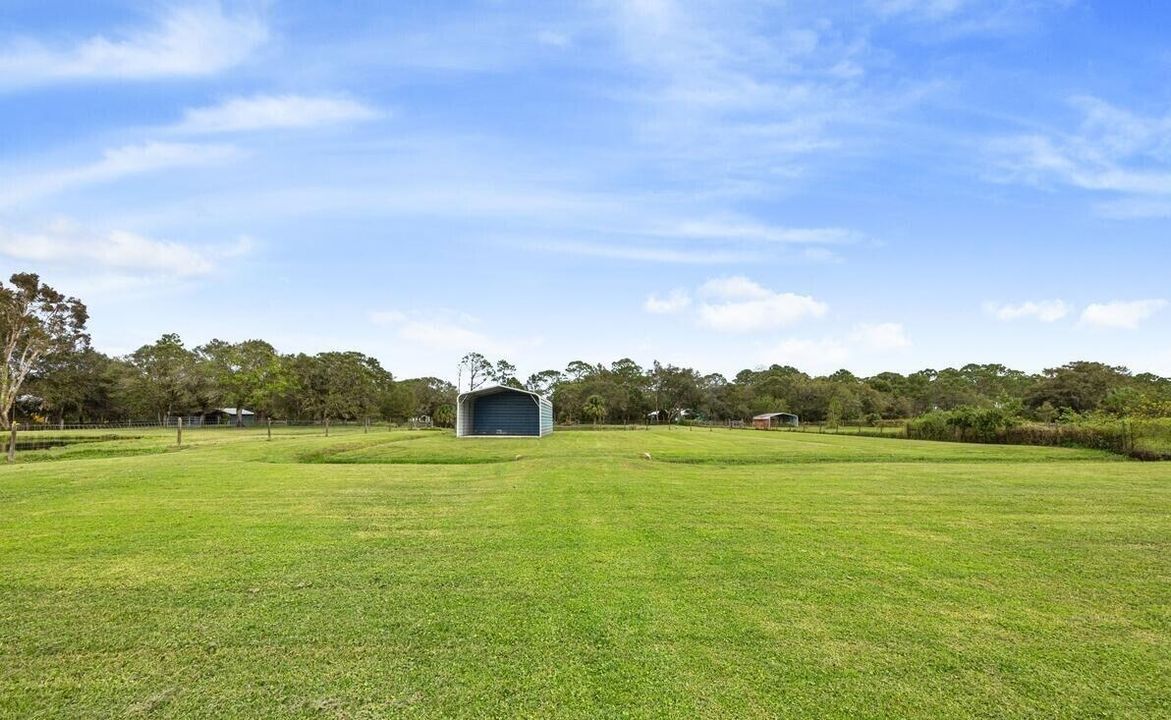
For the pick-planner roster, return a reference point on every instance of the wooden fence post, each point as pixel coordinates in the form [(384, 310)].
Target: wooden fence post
[(12, 444), (270, 428), (327, 426), (179, 430)]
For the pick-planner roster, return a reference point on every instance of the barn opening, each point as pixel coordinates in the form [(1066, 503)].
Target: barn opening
[(774, 420), (503, 412)]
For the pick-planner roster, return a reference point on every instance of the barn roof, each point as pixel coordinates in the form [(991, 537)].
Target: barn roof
[(232, 411), (769, 416), (493, 390)]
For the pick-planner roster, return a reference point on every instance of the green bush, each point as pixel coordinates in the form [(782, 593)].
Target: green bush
[(1142, 439), (966, 424)]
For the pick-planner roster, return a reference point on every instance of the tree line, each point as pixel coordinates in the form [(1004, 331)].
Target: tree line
[(50, 372), (167, 379), (625, 392)]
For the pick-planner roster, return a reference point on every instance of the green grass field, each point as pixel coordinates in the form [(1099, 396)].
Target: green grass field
[(734, 574)]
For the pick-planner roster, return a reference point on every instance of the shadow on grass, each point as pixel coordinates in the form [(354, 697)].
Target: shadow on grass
[(327, 458), (95, 452), (399, 451)]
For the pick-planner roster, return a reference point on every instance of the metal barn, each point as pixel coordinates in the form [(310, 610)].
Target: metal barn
[(503, 412), (777, 419), (227, 416)]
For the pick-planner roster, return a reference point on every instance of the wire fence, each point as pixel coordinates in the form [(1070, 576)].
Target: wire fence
[(41, 437), (1148, 441), (1141, 440)]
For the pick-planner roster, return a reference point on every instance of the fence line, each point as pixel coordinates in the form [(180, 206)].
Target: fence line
[(22, 438), (1123, 440), (188, 425)]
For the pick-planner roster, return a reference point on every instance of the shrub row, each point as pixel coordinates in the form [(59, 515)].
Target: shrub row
[(1141, 440)]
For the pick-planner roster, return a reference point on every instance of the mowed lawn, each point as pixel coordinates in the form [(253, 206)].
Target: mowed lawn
[(734, 574)]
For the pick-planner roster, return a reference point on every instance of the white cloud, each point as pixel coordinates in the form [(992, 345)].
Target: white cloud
[(1121, 314), (387, 317), (816, 355), (1113, 151), (188, 41), (1043, 310), (831, 353), (273, 111), (993, 12), (821, 255), (444, 336), (926, 8), (881, 337), (447, 331), (721, 239), (739, 305), (67, 243), (758, 232), (716, 93), (676, 301), (644, 253), (1079, 163), (736, 287), (958, 18), (116, 163), (918, 9), (1134, 208), (553, 38)]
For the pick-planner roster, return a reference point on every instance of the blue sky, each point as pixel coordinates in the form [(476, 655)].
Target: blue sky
[(893, 184)]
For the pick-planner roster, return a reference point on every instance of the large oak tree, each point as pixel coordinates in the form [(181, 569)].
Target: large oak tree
[(37, 324)]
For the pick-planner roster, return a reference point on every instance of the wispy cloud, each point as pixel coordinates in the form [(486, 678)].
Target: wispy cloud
[(1127, 315), (66, 243), (736, 287), (649, 253), (933, 9), (671, 239), (830, 353), (554, 38), (115, 163), (714, 95), (264, 112), (200, 39), (957, 18), (881, 337), (1134, 208), (1043, 310), (1112, 151), (820, 355), (447, 330), (746, 230), (673, 302)]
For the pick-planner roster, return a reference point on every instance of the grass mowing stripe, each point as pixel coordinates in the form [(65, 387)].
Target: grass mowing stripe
[(233, 580)]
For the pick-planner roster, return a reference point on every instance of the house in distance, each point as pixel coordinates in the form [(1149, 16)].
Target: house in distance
[(775, 420), (502, 411)]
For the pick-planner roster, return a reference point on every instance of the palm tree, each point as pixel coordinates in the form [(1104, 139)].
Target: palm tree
[(595, 407)]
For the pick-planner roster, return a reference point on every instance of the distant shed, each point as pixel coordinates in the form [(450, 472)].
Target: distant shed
[(229, 416), (777, 419), (502, 411)]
